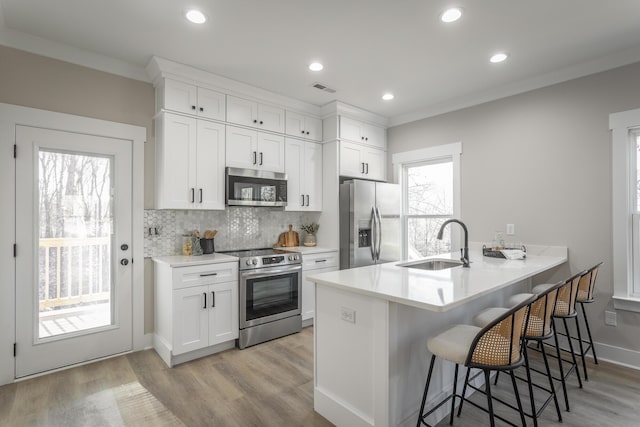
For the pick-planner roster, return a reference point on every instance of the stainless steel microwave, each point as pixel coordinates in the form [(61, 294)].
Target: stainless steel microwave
[(249, 187)]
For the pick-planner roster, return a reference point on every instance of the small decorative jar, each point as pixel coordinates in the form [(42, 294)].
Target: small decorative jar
[(310, 240)]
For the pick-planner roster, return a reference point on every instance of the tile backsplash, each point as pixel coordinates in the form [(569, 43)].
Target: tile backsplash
[(238, 227)]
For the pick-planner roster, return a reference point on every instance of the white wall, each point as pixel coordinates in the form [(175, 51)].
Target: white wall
[(542, 161)]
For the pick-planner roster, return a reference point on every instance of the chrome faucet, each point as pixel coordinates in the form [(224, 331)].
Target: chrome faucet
[(464, 252)]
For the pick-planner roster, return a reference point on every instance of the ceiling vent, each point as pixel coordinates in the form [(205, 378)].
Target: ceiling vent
[(323, 87)]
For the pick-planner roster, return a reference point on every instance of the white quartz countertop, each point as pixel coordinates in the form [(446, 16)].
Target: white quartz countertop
[(185, 261), (440, 290), (308, 250)]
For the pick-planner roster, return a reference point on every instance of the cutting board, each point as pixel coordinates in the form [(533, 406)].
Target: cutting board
[(288, 238)]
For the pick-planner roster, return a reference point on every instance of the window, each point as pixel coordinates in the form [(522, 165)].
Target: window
[(625, 138), (430, 189)]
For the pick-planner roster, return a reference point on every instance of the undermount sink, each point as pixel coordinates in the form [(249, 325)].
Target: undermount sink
[(432, 264)]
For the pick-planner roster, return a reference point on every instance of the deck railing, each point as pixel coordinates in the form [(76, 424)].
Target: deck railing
[(74, 271)]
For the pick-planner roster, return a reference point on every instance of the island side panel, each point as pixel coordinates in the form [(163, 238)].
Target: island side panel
[(351, 358)]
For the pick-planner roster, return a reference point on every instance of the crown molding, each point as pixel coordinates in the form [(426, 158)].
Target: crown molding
[(342, 109)]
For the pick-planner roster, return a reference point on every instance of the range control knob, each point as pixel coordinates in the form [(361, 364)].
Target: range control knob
[(296, 257), (290, 257), (254, 261), (248, 262)]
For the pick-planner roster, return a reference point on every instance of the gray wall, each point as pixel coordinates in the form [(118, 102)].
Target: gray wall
[(542, 161), (35, 81)]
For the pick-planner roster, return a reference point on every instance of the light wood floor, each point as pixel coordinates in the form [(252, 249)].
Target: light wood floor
[(267, 385)]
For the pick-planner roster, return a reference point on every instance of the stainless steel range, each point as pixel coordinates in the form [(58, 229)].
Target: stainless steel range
[(270, 294)]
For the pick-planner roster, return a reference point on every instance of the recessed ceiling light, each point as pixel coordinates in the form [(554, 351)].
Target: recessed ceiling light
[(451, 15), (388, 96), (316, 66), (498, 57), (196, 16)]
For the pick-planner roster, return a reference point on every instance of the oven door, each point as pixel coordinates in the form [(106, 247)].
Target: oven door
[(269, 294)]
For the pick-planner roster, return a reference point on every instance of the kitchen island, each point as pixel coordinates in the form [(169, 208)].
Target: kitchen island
[(372, 324)]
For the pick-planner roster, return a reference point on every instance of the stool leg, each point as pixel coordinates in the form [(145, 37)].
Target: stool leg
[(551, 386), (573, 355), (586, 322), (464, 390), (584, 362), (564, 385), (534, 413), (426, 388), (487, 385), (453, 396), (518, 401)]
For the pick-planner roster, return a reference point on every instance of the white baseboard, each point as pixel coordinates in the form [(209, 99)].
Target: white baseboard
[(147, 341), (618, 355)]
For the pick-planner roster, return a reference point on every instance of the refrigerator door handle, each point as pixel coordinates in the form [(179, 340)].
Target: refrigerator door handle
[(379, 234), (373, 233)]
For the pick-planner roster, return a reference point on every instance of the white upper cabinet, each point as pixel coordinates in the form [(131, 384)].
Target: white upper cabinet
[(190, 99), (303, 160), (190, 156), (303, 126), (360, 161), (250, 149), (253, 114), (363, 133)]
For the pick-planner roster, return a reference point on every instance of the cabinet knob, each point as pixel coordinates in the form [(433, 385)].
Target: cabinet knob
[(261, 122), (366, 139), (302, 132), (201, 109), (255, 121), (193, 107), (307, 132), (362, 138)]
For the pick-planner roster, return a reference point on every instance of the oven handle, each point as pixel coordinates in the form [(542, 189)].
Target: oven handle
[(266, 272)]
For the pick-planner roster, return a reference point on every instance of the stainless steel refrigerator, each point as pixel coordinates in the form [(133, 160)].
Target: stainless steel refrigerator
[(370, 228)]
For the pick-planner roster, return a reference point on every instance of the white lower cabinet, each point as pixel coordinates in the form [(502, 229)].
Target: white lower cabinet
[(317, 263), (196, 309)]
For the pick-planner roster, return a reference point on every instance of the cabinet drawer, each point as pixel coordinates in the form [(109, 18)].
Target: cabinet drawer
[(184, 277), (321, 260)]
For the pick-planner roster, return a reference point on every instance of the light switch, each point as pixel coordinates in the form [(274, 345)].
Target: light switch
[(511, 229)]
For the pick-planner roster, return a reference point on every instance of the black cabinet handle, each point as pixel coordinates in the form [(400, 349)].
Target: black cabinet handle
[(208, 274), (367, 172), (213, 299), (201, 195), (320, 260), (193, 107), (307, 200), (193, 195), (255, 157), (362, 167), (261, 158), (302, 204), (204, 294)]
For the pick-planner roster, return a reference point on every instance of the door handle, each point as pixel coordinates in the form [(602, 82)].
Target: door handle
[(302, 204), (367, 172), (372, 246), (379, 230), (201, 195), (362, 168), (213, 299), (124, 262), (261, 158), (193, 195), (204, 294), (255, 157), (307, 200)]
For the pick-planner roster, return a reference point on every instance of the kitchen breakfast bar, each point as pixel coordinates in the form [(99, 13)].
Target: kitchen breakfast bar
[(372, 324)]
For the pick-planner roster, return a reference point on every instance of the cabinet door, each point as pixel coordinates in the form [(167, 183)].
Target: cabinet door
[(270, 152), (294, 124), (351, 163), (270, 118), (180, 96), (242, 111), (375, 164), (175, 157), (223, 313), (312, 176), (210, 161), (242, 148), (190, 319), (294, 166), (375, 136), (211, 104), (309, 292), (313, 128), (350, 129)]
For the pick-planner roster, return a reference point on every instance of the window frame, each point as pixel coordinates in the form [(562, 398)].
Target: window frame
[(625, 129), (430, 155)]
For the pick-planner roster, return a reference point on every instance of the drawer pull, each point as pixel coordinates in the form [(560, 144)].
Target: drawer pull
[(320, 260), (208, 274)]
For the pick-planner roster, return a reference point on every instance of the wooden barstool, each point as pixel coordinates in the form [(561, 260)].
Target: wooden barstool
[(538, 329), (495, 347)]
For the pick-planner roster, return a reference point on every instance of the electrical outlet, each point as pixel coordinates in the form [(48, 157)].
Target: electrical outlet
[(511, 229), (348, 314), (611, 318)]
